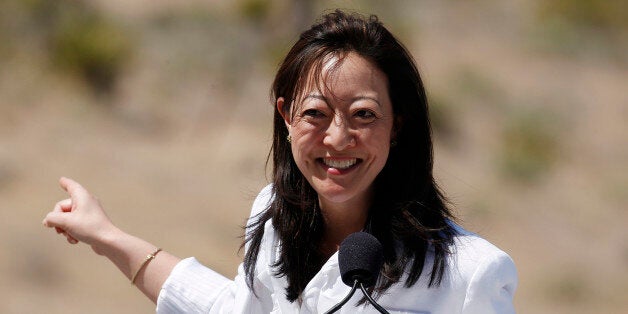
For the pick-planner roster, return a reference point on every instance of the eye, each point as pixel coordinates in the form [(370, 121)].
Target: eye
[(313, 113), (365, 114)]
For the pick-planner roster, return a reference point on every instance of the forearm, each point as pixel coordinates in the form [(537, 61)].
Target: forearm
[(80, 218), (128, 253)]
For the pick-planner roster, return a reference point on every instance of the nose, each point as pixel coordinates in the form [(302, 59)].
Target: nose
[(339, 134)]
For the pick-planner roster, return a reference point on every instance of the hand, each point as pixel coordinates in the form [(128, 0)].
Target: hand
[(80, 218)]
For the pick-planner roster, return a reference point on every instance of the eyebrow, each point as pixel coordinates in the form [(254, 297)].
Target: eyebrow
[(315, 96), (323, 98)]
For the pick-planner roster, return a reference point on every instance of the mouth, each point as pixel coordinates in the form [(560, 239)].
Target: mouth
[(339, 165)]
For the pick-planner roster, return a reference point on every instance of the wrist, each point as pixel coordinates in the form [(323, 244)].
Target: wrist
[(108, 241)]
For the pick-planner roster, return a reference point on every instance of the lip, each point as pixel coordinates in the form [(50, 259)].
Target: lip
[(338, 160)]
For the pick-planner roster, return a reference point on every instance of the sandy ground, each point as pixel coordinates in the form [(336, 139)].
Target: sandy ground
[(178, 154)]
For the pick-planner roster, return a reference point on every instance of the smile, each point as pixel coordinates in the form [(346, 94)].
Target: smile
[(340, 164)]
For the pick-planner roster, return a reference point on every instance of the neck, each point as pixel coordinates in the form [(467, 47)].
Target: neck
[(342, 220)]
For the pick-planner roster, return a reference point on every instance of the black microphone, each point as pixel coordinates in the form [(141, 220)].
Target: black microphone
[(360, 258)]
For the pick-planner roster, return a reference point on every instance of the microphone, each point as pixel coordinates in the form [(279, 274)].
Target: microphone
[(360, 258)]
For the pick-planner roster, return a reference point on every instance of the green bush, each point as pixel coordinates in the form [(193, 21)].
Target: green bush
[(607, 15), (529, 147), (582, 28), (567, 287), (74, 35), (255, 10), (473, 82), (91, 47)]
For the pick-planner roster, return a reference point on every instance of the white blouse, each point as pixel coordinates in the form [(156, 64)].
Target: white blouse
[(480, 278)]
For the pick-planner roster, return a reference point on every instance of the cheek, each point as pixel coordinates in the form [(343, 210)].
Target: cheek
[(304, 136), (379, 148), (381, 155), (378, 140), (304, 142)]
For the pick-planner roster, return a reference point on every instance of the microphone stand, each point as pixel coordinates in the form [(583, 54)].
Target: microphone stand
[(339, 305), (356, 282), (368, 296)]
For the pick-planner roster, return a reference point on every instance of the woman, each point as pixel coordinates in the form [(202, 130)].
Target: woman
[(351, 152)]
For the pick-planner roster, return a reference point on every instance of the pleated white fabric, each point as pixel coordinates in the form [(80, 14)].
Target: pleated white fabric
[(480, 279)]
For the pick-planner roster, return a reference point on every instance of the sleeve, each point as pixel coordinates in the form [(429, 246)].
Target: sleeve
[(492, 287), (191, 288), (194, 288)]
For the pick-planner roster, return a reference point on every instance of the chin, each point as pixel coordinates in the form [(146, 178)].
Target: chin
[(336, 193), (335, 197)]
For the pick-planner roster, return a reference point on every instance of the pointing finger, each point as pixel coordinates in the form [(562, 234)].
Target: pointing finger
[(72, 187)]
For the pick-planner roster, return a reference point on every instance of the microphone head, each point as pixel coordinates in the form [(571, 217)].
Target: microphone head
[(360, 257)]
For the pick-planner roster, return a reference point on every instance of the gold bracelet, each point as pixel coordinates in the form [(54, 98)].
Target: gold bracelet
[(148, 258)]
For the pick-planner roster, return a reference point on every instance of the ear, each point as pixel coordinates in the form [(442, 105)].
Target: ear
[(285, 115)]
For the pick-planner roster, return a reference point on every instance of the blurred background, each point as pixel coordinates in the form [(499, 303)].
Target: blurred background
[(161, 109)]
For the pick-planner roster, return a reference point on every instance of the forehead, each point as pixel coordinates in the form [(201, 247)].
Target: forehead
[(337, 75)]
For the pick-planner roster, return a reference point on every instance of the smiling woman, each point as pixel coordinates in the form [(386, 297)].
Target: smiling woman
[(341, 135), (351, 152)]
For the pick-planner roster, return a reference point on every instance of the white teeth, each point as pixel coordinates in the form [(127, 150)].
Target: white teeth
[(340, 164)]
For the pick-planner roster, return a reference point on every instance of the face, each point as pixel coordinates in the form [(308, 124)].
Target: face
[(341, 131)]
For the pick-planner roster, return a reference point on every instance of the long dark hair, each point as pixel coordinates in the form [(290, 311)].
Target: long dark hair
[(408, 215)]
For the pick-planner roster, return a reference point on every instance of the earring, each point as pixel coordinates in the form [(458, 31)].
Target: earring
[(393, 143), (289, 138)]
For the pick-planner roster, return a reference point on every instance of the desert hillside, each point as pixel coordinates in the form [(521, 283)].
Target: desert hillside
[(161, 109)]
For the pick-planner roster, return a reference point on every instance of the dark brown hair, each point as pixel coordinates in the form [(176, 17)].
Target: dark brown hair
[(408, 215)]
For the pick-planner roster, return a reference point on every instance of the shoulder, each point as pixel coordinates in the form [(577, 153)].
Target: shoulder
[(471, 252), (262, 200), (258, 223), (471, 248), (487, 272)]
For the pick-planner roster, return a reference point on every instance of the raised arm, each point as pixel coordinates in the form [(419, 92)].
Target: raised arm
[(81, 218)]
